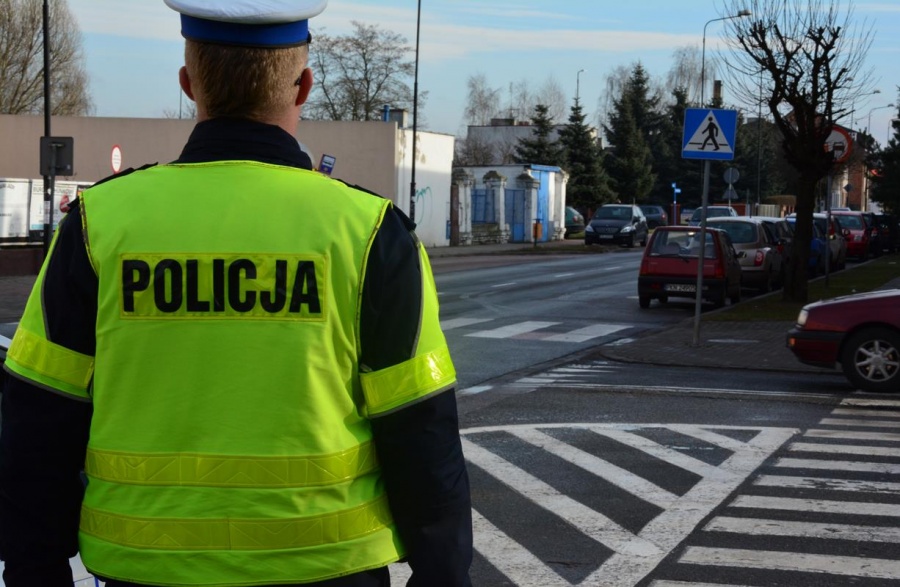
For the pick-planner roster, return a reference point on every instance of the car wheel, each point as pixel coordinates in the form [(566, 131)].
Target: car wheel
[(630, 243), (663, 299), (644, 241), (644, 301), (871, 360), (735, 297), (766, 285)]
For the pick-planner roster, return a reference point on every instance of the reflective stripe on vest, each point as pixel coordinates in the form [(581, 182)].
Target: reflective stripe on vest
[(49, 364), (236, 534), (231, 471), (410, 380)]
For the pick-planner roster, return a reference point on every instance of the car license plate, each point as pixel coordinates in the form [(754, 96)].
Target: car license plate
[(681, 287), (606, 236)]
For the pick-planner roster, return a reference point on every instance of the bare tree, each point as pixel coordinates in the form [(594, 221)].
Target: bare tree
[(483, 101), (22, 60), (552, 95), (812, 59), (358, 74), (685, 73)]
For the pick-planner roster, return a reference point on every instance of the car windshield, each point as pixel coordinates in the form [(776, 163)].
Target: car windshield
[(682, 243), (740, 232), (718, 212), (854, 222), (613, 213)]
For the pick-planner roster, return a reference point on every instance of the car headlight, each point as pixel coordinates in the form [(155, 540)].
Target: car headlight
[(627, 228), (801, 318), (589, 228)]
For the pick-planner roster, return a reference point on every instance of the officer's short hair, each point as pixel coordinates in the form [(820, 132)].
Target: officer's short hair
[(244, 82)]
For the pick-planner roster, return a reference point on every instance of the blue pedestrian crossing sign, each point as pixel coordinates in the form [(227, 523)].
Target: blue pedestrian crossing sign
[(709, 134)]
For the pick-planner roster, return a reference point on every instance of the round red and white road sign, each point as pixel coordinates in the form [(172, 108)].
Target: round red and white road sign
[(840, 142), (116, 158)]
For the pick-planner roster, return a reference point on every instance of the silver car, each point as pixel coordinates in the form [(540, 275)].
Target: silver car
[(762, 267)]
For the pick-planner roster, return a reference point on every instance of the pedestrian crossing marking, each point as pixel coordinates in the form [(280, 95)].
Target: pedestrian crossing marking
[(851, 401), (822, 483), (819, 506), (513, 329), (843, 449), (587, 333), (818, 530), (461, 322), (861, 423), (852, 435), (854, 466), (793, 561)]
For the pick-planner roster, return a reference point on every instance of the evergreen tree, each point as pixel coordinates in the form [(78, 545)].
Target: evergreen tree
[(588, 185), (630, 164), (541, 148)]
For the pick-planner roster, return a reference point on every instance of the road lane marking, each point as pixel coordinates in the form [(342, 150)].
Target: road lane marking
[(710, 437), (634, 484), (685, 584), (856, 467), (858, 412), (848, 435), (762, 527), (792, 561), (845, 449), (508, 284), (854, 486), (819, 506), (590, 522), (663, 453), (461, 322), (513, 329), (860, 423), (587, 333), (851, 401), (561, 275)]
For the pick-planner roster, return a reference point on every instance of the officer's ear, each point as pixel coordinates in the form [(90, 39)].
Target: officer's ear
[(184, 81), (304, 83)]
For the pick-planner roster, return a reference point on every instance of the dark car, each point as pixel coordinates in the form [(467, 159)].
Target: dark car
[(816, 263), (856, 231), (621, 224), (669, 266), (656, 215), (859, 332), (574, 221), (876, 242), (889, 232)]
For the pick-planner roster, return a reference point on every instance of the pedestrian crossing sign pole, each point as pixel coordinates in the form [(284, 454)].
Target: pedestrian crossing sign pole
[(709, 134)]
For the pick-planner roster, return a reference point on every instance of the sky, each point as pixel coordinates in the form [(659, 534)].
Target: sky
[(133, 49)]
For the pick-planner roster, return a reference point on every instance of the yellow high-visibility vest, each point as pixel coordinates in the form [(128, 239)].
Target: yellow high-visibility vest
[(230, 441)]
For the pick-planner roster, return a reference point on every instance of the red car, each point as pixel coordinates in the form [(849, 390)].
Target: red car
[(859, 332), (669, 266), (857, 233)]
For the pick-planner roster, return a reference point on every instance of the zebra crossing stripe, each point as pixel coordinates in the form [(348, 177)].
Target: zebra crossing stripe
[(710, 437), (788, 481), (510, 558), (461, 322), (634, 484), (671, 456), (856, 467), (850, 401), (846, 449), (591, 523), (793, 561), (853, 435), (587, 333), (513, 329), (859, 412), (685, 584), (761, 527), (820, 506), (861, 423)]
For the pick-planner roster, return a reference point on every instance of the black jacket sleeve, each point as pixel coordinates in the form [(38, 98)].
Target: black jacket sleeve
[(43, 436), (419, 446)]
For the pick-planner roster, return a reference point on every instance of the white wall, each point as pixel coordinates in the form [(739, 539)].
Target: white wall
[(433, 170)]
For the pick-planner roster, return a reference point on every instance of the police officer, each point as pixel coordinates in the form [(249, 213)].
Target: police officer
[(260, 396)]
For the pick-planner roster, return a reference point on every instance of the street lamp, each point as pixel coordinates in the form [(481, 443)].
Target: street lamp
[(412, 181), (869, 123), (578, 83), (853, 112), (740, 14)]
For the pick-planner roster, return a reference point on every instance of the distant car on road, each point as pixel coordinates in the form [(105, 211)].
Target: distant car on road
[(857, 232), (889, 231), (574, 221), (711, 212), (656, 215), (621, 224), (859, 332), (669, 266), (834, 236)]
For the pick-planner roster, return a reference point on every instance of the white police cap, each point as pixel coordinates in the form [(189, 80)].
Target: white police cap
[(252, 23)]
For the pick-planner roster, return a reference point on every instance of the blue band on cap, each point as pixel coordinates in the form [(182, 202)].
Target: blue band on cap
[(251, 35)]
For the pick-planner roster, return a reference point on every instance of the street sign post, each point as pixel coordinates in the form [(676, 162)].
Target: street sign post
[(709, 134)]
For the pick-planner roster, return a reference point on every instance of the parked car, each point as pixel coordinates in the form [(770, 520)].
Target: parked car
[(621, 224), (876, 244), (711, 212), (762, 266), (815, 265), (669, 266), (574, 221), (685, 215), (859, 332), (656, 215), (837, 242), (857, 232), (889, 231)]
